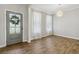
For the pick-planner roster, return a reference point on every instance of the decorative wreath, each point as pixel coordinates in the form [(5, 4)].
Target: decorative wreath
[(14, 21)]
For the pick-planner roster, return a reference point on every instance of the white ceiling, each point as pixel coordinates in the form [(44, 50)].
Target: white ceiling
[(53, 8)]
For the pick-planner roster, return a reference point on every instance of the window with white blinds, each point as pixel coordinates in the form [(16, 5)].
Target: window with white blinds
[(48, 23), (36, 23)]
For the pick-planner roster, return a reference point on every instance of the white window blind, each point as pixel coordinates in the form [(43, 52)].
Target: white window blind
[(48, 23), (36, 23)]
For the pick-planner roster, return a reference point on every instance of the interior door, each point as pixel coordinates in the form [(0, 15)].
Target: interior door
[(13, 27)]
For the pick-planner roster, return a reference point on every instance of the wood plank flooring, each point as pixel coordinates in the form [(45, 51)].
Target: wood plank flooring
[(47, 45)]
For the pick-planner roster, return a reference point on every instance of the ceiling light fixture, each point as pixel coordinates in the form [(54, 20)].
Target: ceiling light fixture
[(59, 12)]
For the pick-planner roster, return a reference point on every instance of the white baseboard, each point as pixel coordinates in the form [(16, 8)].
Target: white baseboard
[(28, 41), (67, 36), (1, 46), (24, 40), (41, 36)]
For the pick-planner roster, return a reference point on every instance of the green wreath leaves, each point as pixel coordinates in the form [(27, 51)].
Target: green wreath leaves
[(14, 21)]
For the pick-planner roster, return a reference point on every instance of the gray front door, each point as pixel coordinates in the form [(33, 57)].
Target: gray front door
[(13, 27)]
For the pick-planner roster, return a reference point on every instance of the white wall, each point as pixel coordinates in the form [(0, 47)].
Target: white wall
[(16, 8), (68, 25)]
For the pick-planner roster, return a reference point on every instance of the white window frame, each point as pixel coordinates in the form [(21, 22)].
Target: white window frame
[(49, 24), (38, 16)]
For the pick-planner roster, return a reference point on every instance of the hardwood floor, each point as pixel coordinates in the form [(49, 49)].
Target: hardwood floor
[(47, 45)]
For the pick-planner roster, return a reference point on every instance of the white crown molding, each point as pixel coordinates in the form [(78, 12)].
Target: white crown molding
[(64, 8)]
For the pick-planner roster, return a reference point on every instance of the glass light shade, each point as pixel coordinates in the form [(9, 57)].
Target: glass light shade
[(60, 13)]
